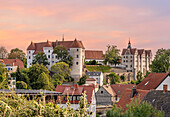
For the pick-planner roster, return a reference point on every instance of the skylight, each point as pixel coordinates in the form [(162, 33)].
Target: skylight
[(146, 83)]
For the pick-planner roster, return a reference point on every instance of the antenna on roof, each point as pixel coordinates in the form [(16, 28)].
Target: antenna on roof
[(63, 38)]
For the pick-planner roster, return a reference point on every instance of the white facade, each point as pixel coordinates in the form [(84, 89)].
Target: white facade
[(165, 82), (97, 76)]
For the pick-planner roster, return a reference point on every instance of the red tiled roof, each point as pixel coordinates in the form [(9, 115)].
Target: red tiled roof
[(77, 91), (76, 44), (152, 81), (147, 53), (119, 89), (140, 52), (132, 51), (93, 54), (38, 47), (109, 89), (15, 62), (126, 97), (90, 79)]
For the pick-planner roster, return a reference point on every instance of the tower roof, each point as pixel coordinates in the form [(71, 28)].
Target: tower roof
[(76, 44), (129, 45), (31, 46), (48, 44)]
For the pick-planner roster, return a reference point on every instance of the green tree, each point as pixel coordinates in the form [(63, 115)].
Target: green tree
[(3, 52), (16, 53), (3, 79), (112, 55), (161, 62), (21, 85), (41, 58), (34, 72), (43, 82), (83, 80), (123, 78), (139, 77), (113, 78), (92, 62), (61, 72), (147, 73), (62, 55)]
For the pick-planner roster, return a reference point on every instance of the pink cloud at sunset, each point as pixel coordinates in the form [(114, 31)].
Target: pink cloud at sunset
[(96, 23)]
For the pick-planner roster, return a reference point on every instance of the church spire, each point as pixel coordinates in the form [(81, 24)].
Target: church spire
[(129, 44)]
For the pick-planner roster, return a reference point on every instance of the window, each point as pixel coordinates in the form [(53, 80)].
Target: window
[(52, 56), (29, 52), (30, 63), (70, 98), (13, 83), (130, 60), (124, 61), (56, 56), (48, 56), (78, 97), (77, 50), (48, 51), (74, 98), (11, 68), (130, 56), (77, 56), (101, 92), (13, 78), (9, 82), (130, 65), (29, 57), (52, 61), (126, 56), (77, 63)]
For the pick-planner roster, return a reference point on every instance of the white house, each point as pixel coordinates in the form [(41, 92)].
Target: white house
[(98, 76), (75, 92), (155, 81)]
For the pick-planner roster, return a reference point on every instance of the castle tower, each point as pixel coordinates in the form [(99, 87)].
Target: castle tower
[(76, 51), (30, 52), (129, 44)]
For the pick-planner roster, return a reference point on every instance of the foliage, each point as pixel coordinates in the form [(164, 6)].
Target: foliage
[(139, 77), (161, 62), (113, 78), (21, 85), (3, 52), (62, 55), (16, 54), (34, 72), (136, 109), (61, 72), (92, 62), (3, 79), (123, 78), (41, 58), (99, 68), (112, 55), (83, 80), (147, 73), (21, 106)]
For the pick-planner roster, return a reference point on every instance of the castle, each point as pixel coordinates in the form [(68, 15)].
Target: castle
[(75, 49), (136, 59)]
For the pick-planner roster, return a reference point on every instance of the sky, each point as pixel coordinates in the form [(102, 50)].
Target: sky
[(96, 23)]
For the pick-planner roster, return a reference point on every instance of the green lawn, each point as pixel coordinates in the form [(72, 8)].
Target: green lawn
[(102, 68)]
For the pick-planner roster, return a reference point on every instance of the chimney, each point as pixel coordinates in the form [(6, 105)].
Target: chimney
[(133, 92), (165, 87), (107, 85)]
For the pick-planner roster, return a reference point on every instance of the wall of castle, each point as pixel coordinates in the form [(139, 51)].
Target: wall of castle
[(30, 57)]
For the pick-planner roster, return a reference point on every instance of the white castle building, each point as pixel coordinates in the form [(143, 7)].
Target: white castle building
[(136, 59), (75, 49)]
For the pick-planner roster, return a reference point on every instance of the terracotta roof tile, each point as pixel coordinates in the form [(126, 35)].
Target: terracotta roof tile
[(119, 89), (132, 51), (141, 51), (48, 44), (152, 81), (126, 97), (15, 62), (93, 54), (76, 44), (90, 79), (109, 89), (31, 46)]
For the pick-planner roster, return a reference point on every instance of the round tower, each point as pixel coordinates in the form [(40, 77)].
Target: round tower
[(30, 52)]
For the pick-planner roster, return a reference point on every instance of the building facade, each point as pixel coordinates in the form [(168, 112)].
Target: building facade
[(98, 76), (96, 55), (136, 59), (75, 49)]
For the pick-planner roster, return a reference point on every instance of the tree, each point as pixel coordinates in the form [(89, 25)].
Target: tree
[(83, 80), (161, 62), (123, 78), (3, 78), (43, 82), (34, 72), (147, 73), (16, 54), (3, 52), (61, 72), (21, 85), (113, 78), (112, 55), (41, 58), (92, 62), (139, 77), (62, 55)]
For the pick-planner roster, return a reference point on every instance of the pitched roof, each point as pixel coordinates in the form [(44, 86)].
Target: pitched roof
[(148, 53), (15, 62), (152, 81), (38, 47), (160, 100), (93, 73), (119, 89), (77, 91), (126, 97), (90, 79), (140, 51), (109, 89), (93, 54), (132, 51)]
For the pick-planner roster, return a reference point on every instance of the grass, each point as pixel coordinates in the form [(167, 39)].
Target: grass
[(98, 68)]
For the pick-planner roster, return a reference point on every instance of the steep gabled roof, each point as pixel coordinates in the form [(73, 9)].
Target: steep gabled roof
[(48, 44), (15, 62), (148, 53), (126, 97), (152, 81), (93, 54), (31, 46), (132, 51), (119, 89), (160, 100), (76, 44), (109, 89), (140, 51)]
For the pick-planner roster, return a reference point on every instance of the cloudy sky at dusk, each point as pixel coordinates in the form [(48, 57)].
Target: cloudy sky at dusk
[(96, 22)]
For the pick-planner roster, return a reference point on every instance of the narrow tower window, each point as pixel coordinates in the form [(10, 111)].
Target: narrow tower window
[(77, 56), (77, 50), (77, 63)]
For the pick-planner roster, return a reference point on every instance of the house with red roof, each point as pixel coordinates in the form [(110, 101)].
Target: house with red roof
[(136, 59), (12, 64), (110, 94), (96, 55), (155, 81), (75, 92), (129, 95)]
